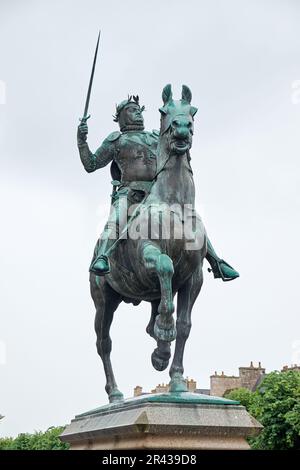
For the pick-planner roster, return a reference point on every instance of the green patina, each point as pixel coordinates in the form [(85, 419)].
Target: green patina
[(151, 173), (184, 398)]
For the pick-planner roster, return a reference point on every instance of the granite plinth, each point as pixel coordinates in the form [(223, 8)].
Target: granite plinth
[(164, 421)]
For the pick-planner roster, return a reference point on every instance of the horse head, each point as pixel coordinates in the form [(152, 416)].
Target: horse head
[(177, 120)]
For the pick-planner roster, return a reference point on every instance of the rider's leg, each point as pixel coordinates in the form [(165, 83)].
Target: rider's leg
[(100, 263), (116, 222), (219, 267)]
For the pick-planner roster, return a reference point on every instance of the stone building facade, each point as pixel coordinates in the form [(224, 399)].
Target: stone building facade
[(292, 367), (220, 383), (164, 388), (249, 377)]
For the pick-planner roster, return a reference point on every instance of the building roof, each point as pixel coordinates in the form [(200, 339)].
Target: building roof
[(202, 391)]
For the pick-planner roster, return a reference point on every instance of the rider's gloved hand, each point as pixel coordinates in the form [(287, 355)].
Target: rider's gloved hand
[(82, 131)]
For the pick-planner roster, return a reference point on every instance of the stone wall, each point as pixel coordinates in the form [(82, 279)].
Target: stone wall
[(219, 384), (248, 378), (292, 367), (250, 375)]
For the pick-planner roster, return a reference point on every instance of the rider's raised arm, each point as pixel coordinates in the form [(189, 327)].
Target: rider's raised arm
[(92, 161)]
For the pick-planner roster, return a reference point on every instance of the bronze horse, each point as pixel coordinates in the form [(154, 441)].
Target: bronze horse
[(157, 267)]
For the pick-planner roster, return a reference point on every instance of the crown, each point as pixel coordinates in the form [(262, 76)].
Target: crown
[(131, 99)]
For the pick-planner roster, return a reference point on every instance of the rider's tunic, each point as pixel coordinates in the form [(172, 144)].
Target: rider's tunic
[(133, 153)]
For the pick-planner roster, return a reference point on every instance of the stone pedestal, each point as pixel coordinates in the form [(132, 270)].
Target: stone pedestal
[(164, 421)]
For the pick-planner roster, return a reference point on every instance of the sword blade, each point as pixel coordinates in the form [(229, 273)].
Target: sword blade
[(87, 101)]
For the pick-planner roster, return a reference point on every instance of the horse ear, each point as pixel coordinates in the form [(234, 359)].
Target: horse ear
[(193, 110), (167, 93), (186, 94)]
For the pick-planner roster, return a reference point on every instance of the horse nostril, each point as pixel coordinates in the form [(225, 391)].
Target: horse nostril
[(182, 133)]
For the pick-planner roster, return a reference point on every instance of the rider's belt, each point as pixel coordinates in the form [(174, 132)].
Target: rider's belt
[(138, 185)]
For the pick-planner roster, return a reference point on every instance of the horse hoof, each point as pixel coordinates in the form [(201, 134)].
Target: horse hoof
[(178, 384), (164, 334), (159, 363), (116, 396)]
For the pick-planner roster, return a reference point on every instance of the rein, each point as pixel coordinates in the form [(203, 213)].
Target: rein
[(136, 211)]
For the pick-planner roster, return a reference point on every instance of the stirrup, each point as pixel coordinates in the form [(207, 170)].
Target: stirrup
[(219, 273)]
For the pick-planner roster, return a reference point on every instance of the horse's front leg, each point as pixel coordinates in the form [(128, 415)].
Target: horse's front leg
[(161, 355), (154, 313), (162, 265), (106, 302), (185, 301)]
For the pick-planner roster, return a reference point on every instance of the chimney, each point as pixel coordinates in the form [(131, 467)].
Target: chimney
[(191, 385), (137, 391)]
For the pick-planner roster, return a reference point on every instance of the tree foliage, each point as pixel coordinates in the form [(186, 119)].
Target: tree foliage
[(243, 395), (276, 405), (48, 440)]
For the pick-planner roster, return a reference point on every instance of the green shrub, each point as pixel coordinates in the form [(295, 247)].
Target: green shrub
[(48, 440), (276, 405)]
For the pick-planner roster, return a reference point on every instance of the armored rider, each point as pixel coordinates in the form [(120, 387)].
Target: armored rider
[(132, 154)]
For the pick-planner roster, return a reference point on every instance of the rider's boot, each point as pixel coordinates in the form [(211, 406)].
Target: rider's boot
[(100, 264), (219, 267)]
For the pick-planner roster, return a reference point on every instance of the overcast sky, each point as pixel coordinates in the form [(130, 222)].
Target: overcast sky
[(241, 61)]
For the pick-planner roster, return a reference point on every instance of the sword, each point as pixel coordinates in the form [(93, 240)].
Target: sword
[(86, 116)]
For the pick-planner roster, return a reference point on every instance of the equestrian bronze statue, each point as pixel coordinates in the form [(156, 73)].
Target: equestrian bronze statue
[(154, 243)]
